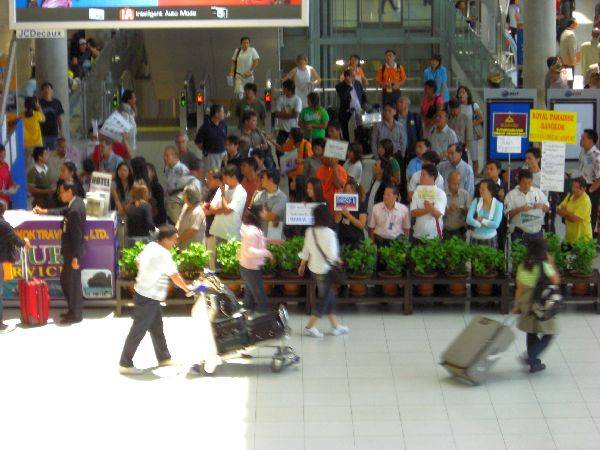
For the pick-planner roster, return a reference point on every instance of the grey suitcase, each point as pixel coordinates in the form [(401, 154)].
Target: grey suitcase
[(470, 356)]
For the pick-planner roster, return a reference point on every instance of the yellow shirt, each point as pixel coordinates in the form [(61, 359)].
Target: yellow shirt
[(582, 208), (32, 132)]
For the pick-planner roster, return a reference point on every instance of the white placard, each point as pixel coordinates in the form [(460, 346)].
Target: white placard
[(100, 182), (553, 166), (508, 144), (336, 149), (115, 126), (32, 33), (299, 213), (345, 202)]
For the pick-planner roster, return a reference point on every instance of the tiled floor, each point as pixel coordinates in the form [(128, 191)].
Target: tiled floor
[(378, 388)]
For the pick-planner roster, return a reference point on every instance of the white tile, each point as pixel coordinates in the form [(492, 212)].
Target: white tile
[(575, 426), (270, 443), (374, 413), (479, 442), (368, 358), (277, 429), (325, 371), (420, 398), (279, 414), (594, 407), (379, 443), (429, 442), (330, 428), (510, 396), (277, 399), (325, 385), (374, 398), (327, 413), (368, 371), (423, 412), (327, 399), (523, 426), (558, 395), (378, 428), (329, 443), (426, 427), (518, 411), (475, 426), (470, 412), (528, 441), (419, 384), (565, 410), (580, 441), (453, 397)]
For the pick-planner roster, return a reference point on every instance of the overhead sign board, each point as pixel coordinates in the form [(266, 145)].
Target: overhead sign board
[(74, 14)]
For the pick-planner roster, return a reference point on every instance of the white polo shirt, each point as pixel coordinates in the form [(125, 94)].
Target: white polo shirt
[(528, 221), (155, 268), (427, 226), (226, 226)]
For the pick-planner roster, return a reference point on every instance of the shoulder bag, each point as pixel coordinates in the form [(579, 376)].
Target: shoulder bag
[(338, 276)]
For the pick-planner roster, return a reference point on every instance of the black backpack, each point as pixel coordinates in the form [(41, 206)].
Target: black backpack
[(547, 299)]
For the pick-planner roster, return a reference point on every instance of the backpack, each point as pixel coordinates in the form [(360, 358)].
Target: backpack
[(547, 299)]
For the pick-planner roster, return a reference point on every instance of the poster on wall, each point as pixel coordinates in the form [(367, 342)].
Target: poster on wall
[(45, 258)]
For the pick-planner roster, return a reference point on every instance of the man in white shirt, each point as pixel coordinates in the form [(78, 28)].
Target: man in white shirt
[(526, 207), (228, 206), (243, 62), (156, 269), (429, 157), (389, 219), (589, 167), (428, 206), (287, 109)]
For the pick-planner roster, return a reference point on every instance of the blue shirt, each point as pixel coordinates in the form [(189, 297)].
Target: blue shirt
[(414, 166), (485, 225), (440, 76)]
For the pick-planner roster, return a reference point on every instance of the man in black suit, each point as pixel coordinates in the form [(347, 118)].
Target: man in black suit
[(72, 247), (352, 96)]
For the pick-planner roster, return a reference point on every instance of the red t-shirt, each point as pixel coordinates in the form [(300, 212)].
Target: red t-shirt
[(325, 175), (118, 148), (5, 181)]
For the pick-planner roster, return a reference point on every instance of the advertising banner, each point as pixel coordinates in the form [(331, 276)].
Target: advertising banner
[(45, 259)]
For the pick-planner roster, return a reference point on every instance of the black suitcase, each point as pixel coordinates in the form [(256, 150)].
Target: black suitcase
[(263, 326), (230, 333)]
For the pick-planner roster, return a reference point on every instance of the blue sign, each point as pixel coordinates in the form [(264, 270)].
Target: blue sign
[(15, 157), (505, 106)]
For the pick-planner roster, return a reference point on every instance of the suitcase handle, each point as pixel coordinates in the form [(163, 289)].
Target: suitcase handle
[(24, 264)]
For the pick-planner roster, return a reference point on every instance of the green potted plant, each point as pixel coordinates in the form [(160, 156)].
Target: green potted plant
[(127, 263), (456, 257), (486, 262), (517, 254), (557, 247), (394, 258), (581, 257), (192, 260), (288, 262), (427, 259), (228, 261), (360, 262)]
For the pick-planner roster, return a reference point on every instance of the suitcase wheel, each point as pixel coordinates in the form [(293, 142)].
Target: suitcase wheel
[(276, 365)]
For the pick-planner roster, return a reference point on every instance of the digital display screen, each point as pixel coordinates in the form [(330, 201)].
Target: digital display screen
[(586, 119), (500, 110), (73, 14)]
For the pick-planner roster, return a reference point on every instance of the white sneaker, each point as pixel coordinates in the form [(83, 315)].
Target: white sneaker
[(130, 370), (312, 332), (339, 330), (167, 363)]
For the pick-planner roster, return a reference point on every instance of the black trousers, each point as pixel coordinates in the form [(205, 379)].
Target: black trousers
[(147, 316), (595, 199), (535, 346), (70, 282)]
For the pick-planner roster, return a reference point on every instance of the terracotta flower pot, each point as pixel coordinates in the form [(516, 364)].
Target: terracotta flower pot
[(268, 286), (389, 289), (236, 288), (358, 290), (426, 289), (457, 289), (289, 289), (485, 289), (581, 289)]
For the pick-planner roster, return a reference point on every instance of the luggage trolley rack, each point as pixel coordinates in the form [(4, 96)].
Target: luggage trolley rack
[(236, 330)]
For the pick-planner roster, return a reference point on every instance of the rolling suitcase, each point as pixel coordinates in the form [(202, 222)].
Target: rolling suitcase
[(263, 326), (34, 297), (477, 348), (230, 333)]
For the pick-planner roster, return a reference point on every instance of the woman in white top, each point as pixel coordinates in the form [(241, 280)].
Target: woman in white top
[(471, 109), (128, 109), (241, 69), (353, 164), (320, 251), (305, 78)]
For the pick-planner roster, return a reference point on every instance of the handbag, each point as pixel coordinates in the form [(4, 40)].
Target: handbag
[(477, 129), (338, 276)]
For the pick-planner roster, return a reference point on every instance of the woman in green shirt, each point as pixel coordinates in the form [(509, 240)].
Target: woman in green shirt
[(314, 118), (528, 276)]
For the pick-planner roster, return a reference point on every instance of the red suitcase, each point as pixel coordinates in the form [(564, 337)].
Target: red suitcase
[(34, 297)]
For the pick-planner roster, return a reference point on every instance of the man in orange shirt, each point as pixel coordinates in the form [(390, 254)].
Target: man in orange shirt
[(333, 177), (390, 77), (296, 141)]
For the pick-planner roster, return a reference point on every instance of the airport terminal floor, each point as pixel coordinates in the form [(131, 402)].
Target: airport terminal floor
[(379, 388)]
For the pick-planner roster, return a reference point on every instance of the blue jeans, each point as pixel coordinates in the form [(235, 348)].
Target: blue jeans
[(327, 300), (520, 234), (535, 346), (254, 289)]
